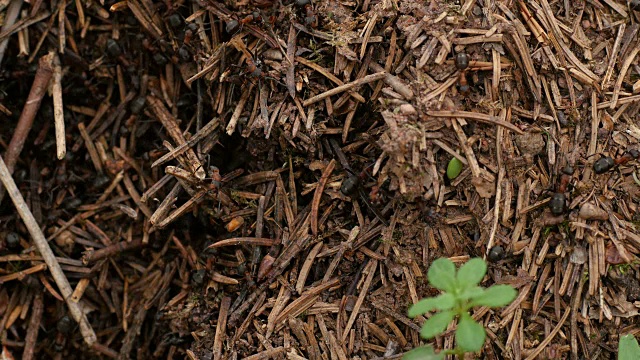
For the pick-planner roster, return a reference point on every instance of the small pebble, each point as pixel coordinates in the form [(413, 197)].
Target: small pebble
[(408, 109), (589, 211), (530, 143)]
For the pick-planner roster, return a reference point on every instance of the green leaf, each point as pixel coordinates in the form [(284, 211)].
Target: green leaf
[(469, 335), (441, 302), (442, 275), (628, 348), (471, 273), (496, 296), (423, 353), (436, 324), (454, 168), (471, 293)]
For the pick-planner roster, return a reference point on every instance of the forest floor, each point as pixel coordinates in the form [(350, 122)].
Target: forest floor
[(268, 179)]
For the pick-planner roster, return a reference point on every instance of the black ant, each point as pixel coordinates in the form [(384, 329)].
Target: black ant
[(462, 63), (607, 163), (63, 327), (234, 25), (496, 254), (559, 200), (311, 19), (183, 51), (352, 184)]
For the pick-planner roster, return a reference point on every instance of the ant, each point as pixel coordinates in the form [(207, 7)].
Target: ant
[(559, 200), (234, 25), (496, 254), (310, 19), (184, 51), (253, 65), (63, 327), (607, 163), (462, 63), (352, 184)]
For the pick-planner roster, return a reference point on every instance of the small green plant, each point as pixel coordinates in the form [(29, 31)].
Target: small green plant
[(460, 294), (628, 348)]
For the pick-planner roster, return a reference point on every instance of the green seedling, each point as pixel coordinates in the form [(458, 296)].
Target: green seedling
[(628, 348), (461, 292), (454, 168)]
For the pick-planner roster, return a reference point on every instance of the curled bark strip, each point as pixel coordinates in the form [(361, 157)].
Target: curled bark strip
[(318, 195), (243, 240)]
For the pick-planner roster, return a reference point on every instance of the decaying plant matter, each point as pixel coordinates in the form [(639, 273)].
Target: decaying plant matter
[(261, 179)]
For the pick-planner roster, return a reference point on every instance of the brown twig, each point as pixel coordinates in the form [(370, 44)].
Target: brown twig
[(58, 110), (487, 119), (221, 328), (348, 86), (34, 324), (246, 241), (318, 195), (28, 114), (94, 255)]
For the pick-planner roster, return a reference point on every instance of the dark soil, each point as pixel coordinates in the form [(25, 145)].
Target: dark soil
[(287, 225)]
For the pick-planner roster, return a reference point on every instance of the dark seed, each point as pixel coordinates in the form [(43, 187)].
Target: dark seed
[(603, 165), (462, 61), (13, 240), (113, 49), (635, 153), (496, 253), (464, 89), (302, 2)]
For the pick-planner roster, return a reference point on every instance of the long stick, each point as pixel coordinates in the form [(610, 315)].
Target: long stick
[(58, 109), (45, 251), (29, 111)]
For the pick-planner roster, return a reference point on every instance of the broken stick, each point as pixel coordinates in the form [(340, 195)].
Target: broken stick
[(42, 245)]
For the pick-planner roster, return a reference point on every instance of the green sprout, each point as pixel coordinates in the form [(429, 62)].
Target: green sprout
[(454, 168), (460, 294)]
